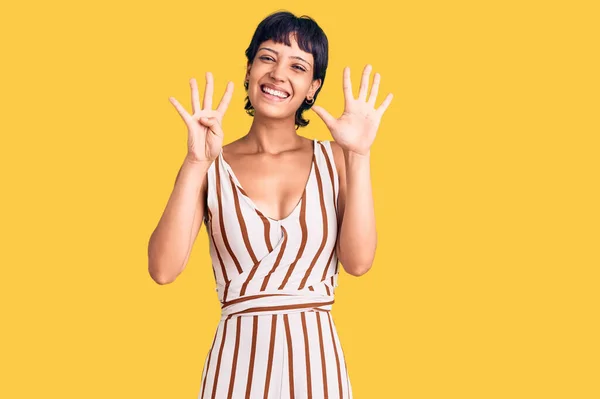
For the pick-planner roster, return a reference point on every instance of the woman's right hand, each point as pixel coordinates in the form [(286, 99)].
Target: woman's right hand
[(205, 133)]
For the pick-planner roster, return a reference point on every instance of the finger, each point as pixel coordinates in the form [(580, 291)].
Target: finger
[(182, 112), (385, 104), (364, 83), (326, 116), (208, 113), (208, 92), (374, 89), (195, 96), (226, 99), (213, 125), (347, 84)]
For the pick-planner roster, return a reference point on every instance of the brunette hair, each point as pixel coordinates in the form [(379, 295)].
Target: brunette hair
[(310, 37)]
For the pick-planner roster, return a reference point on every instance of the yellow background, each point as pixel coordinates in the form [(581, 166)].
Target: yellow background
[(485, 173)]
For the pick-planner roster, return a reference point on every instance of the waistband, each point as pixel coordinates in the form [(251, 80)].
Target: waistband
[(276, 303)]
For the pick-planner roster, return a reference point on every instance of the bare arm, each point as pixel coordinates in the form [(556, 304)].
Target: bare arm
[(354, 132), (171, 242), (357, 236)]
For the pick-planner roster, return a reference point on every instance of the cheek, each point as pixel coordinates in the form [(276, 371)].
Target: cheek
[(301, 86)]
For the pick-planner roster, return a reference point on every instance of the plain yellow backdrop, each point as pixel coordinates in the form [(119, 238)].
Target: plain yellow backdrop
[(485, 173)]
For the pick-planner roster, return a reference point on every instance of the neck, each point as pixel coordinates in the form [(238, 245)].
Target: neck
[(273, 135)]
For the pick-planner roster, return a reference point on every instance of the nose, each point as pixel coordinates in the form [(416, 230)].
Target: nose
[(277, 72)]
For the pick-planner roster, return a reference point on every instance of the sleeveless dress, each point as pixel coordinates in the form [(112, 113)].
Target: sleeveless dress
[(275, 280)]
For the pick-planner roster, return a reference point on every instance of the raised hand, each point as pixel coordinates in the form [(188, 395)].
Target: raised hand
[(205, 133), (356, 128)]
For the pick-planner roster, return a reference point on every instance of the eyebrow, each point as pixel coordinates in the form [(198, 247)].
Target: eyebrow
[(294, 56)]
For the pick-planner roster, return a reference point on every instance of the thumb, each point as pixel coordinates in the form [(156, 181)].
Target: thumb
[(326, 116), (213, 125)]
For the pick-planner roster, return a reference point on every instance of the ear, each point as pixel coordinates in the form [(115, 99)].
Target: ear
[(248, 67), (314, 86)]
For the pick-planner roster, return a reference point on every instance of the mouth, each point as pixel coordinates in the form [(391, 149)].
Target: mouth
[(273, 93)]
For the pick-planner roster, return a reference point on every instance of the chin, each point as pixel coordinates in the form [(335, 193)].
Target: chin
[(273, 111), (269, 111)]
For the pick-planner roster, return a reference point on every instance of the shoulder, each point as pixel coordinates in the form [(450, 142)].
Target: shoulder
[(340, 166), (338, 157), (233, 147)]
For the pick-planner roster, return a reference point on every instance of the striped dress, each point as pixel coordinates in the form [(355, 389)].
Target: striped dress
[(275, 280)]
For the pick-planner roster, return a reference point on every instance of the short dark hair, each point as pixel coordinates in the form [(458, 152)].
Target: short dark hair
[(310, 37)]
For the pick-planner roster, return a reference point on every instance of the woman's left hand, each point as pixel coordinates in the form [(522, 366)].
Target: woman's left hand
[(356, 128)]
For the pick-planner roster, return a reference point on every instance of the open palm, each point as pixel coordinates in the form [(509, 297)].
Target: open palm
[(356, 128), (205, 132)]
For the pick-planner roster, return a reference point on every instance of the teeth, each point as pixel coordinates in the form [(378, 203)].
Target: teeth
[(276, 93)]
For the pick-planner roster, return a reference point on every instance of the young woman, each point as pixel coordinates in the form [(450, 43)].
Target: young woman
[(280, 212)]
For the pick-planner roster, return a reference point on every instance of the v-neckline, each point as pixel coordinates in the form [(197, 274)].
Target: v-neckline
[(251, 202)]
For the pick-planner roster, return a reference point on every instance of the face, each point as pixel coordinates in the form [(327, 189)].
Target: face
[(280, 79)]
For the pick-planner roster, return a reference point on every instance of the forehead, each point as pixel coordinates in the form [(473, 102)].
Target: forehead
[(287, 51)]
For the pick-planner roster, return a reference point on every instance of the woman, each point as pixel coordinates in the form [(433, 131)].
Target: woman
[(280, 211)]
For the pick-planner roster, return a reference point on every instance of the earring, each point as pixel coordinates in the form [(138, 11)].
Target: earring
[(310, 101)]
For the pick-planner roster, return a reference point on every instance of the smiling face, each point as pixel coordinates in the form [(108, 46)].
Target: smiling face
[(279, 79)]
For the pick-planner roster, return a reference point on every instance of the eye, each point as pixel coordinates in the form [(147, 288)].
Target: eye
[(266, 58), (300, 67)]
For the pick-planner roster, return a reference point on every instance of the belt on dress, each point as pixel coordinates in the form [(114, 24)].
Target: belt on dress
[(276, 303)]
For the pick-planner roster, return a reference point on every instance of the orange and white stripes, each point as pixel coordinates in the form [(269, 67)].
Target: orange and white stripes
[(275, 280), (290, 355)]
